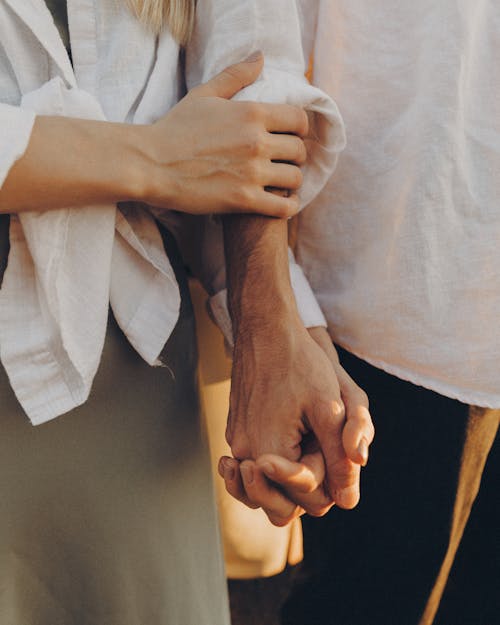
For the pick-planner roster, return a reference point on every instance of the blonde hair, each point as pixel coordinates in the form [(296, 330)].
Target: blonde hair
[(177, 15)]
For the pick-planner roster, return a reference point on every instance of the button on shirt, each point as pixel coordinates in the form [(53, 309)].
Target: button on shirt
[(402, 246), (67, 266)]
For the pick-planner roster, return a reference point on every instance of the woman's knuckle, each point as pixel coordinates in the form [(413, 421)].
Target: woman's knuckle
[(252, 112), (256, 144), (242, 197)]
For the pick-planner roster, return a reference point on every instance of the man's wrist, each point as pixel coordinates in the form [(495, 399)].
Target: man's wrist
[(259, 289)]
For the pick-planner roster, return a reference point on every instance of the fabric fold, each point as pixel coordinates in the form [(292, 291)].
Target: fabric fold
[(326, 137), (64, 265)]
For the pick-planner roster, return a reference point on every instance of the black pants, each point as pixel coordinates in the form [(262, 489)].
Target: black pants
[(387, 562)]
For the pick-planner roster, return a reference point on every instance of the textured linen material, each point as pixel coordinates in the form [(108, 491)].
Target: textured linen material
[(68, 286), (273, 27), (401, 247), (66, 266)]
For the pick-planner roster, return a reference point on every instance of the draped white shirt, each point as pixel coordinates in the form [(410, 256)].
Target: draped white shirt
[(402, 247), (66, 267)]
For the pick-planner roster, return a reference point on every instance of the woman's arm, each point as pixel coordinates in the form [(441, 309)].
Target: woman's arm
[(207, 154), (74, 162)]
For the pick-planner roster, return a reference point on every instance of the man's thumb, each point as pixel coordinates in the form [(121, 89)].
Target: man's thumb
[(232, 79)]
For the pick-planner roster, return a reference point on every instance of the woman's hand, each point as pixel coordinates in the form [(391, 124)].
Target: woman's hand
[(209, 154), (287, 469)]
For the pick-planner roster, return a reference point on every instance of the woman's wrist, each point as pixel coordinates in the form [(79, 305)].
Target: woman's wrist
[(78, 162), (147, 175)]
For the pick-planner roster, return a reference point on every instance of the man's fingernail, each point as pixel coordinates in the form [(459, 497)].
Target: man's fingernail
[(247, 472), (363, 450), (255, 56), (229, 473), (268, 469)]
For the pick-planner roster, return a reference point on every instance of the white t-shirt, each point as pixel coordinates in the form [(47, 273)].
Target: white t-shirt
[(403, 245)]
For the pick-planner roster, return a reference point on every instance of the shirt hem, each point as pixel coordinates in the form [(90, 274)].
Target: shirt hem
[(470, 398)]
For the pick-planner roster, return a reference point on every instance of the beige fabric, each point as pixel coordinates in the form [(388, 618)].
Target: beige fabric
[(107, 514), (481, 432), (253, 547)]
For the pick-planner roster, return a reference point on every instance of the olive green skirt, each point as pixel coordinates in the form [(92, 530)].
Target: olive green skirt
[(107, 514)]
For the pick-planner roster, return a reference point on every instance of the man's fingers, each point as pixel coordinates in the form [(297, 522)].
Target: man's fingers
[(359, 431), (232, 79), (358, 434), (261, 493), (342, 474)]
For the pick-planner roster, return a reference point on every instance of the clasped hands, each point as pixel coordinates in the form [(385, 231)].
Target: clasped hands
[(299, 427)]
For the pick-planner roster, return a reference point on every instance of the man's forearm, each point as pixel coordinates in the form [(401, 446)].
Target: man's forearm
[(258, 277)]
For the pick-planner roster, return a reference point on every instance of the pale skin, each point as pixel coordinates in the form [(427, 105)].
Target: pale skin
[(208, 154), (299, 427)]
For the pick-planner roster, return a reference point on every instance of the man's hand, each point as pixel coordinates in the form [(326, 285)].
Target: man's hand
[(213, 155), (309, 431)]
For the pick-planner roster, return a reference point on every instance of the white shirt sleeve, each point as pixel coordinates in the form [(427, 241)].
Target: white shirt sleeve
[(228, 31), (16, 125), (200, 240)]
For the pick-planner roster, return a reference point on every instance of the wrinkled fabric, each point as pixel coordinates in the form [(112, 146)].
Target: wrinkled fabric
[(401, 247), (66, 266)]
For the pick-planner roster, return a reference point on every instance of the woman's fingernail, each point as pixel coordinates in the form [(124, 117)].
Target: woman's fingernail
[(363, 450), (268, 469), (255, 56), (247, 472)]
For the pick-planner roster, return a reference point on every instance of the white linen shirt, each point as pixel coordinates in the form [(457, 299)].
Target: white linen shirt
[(67, 266), (402, 245)]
